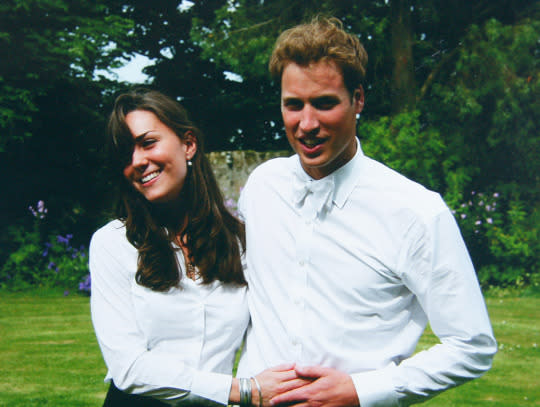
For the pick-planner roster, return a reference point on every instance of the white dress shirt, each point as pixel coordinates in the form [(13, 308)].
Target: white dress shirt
[(170, 345), (350, 282)]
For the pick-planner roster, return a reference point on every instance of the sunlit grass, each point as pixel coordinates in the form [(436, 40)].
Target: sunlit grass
[(48, 352), (514, 379), (49, 355)]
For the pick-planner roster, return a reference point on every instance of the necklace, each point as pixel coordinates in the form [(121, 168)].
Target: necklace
[(191, 270)]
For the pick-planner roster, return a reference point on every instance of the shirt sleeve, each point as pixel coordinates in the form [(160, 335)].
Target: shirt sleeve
[(436, 267), (132, 366)]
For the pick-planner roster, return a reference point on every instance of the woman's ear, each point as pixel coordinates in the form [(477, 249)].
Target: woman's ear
[(190, 144)]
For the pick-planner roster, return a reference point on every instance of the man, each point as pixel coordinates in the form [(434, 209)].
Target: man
[(347, 259)]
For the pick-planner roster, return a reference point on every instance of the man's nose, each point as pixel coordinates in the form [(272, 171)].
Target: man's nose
[(309, 121)]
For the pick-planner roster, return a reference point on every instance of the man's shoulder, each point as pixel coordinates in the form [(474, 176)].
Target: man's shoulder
[(402, 190)]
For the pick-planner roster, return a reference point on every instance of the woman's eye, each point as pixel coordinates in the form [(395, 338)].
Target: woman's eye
[(148, 142)]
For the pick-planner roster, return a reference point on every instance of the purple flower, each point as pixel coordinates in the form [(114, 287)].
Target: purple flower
[(62, 239), (86, 284), (51, 265), (66, 293), (478, 222), (489, 220), (41, 210), (46, 251), (463, 216)]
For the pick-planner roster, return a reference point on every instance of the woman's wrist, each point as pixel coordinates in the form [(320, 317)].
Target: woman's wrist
[(245, 392)]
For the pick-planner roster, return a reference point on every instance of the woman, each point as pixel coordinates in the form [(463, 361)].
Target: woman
[(168, 291)]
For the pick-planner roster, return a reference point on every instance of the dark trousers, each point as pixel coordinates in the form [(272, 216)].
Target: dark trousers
[(117, 398)]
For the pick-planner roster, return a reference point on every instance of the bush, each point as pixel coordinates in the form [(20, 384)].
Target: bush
[(502, 239), (43, 259)]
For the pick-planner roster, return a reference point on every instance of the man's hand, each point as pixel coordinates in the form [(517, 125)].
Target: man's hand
[(277, 380), (329, 388)]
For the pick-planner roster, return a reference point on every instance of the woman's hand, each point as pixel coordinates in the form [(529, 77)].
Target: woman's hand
[(274, 381)]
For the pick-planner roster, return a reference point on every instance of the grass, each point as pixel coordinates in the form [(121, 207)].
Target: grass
[(48, 351), (49, 355)]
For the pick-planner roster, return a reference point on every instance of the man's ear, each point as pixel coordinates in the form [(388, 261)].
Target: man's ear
[(358, 99)]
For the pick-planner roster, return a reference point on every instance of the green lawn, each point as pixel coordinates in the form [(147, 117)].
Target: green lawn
[(49, 355)]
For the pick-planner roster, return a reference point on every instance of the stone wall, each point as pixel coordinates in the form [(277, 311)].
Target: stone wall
[(233, 167)]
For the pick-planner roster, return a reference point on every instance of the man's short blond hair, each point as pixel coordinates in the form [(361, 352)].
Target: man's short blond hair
[(322, 39)]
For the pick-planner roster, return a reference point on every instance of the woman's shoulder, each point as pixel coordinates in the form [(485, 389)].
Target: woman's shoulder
[(111, 235), (113, 228)]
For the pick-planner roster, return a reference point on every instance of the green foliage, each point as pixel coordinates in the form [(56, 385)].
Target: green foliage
[(514, 245), (490, 109), (488, 112), (475, 126), (502, 238), (46, 41), (403, 143), (42, 259)]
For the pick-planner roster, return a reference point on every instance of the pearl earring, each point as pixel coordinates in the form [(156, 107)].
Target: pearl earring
[(189, 163)]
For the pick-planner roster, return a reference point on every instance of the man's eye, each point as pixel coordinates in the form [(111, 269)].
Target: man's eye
[(293, 105), (325, 104)]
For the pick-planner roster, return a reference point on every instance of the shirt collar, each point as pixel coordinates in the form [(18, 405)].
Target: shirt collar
[(346, 177)]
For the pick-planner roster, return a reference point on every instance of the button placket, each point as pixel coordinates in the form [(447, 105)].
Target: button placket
[(303, 238)]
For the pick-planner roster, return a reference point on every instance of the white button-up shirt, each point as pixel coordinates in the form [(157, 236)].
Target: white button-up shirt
[(353, 286), (170, 345)]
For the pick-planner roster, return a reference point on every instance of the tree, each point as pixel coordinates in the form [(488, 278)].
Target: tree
[(51, 104)]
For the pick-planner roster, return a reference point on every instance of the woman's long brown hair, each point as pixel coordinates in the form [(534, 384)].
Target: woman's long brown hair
[(214, 238)]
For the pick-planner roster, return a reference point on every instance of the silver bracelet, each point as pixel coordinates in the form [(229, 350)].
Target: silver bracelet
[(259, 390), (244, 387)]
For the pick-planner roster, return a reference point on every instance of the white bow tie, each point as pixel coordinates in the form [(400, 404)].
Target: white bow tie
[(318, 192)]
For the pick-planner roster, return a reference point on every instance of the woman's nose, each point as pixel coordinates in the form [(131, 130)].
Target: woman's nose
[(138, 158)]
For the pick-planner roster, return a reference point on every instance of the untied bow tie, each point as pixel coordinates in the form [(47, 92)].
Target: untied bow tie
[(319, 193)]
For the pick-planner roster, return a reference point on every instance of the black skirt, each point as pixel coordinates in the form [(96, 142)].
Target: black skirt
[(117, 398)]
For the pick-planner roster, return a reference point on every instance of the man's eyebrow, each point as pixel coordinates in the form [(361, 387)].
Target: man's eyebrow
[(325, 98)]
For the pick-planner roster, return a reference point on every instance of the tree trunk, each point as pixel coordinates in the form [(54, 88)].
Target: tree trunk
[(403, 81)]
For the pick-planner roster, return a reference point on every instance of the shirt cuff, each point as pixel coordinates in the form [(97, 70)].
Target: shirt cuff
[(213, 386), (375, 388)]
